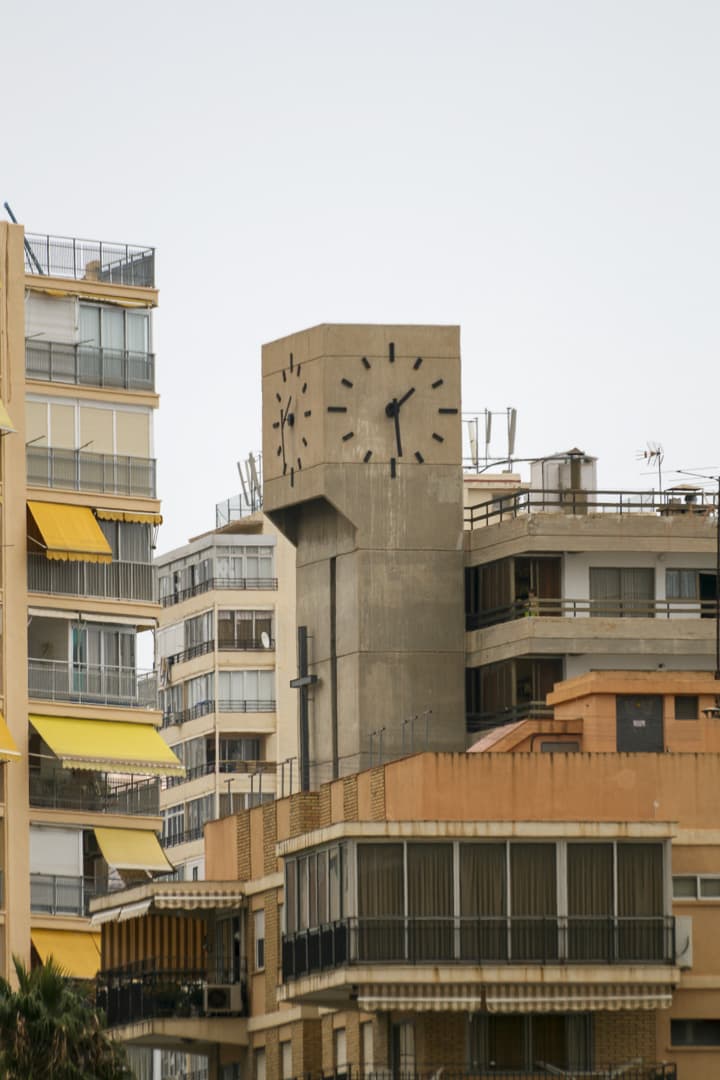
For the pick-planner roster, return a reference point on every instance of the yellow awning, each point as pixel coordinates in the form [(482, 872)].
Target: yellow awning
[(108, 746), (8, 749), (69, 532), (6, 423), (133, 849), (133, 516), (77, 953)]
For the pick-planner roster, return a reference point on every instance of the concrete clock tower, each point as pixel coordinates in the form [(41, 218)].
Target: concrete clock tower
[(362, 472)]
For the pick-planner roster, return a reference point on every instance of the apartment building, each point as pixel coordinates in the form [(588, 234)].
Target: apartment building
[(80, 513), (225, 655), (562, 578)]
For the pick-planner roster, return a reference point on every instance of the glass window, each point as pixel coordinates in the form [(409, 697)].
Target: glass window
[(291, 896), (259, 936), (681, 584), (286, 1060), (695, 1032), (685, 887), (618, 592), (710, 888), (686, 707)]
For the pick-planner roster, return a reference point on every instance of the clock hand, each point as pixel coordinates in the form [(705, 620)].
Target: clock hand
[(396, 415), (404, 398)]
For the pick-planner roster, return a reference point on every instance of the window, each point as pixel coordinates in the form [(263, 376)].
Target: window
[(340, 1051), (114, 328), (244, 629), (129, 541), (244, 564), (173, 824), (198, 631), (518, 1042), (197, 812), (259, 936), (622, 592), (286, 1060), (686, 707), (695, 1032), (260, 1064), (235, 749), (696, 887), (246, 691), (367, 1045), (403, 1048)]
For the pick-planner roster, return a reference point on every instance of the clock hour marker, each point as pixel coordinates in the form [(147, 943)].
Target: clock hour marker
[(438, 382), (304, 386), (284, 467), (284, 375), (292, 478), (291, 361), (299, 463), (279, 451), (346, 382), (448, 412), (418, 457), (308, 412), (297, 371), (366, 363), (279, 398), (304, 442), (276, 424), (348, 435), (393, 463), (391, 352), (437, 438), (417, 363), (367, 457), (337, 408)]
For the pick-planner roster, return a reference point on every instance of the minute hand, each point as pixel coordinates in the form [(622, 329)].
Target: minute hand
[(404, 398)]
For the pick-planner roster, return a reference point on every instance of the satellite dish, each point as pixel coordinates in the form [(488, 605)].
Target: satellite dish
[(265, 639)]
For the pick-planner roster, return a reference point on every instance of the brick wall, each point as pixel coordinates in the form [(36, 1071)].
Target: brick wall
[(272, 1053), (621, 1036), (307, 1047), (243, 846), (269, 812), (303, 812), (324, 806), (441, 1039), (377, 794), (350, 798), (272, 951)]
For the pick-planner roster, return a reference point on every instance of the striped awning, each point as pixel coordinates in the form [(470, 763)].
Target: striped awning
[(576, 997), (160, 900), (421, 997), (134, 517)]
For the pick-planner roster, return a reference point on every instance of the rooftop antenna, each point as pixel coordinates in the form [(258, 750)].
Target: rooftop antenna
[(32, 259), (242, 483), (472, 426), (512, 430), (472, 421), (653, 454)]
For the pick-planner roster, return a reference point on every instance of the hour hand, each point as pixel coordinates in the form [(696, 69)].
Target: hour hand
[(396, 415), (404, 398)]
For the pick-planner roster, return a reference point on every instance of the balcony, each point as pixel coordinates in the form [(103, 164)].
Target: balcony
[(492, 940), (53, 894), (182, 836), (242, 643), (88, 684), (109, 581), (542, 607), (89, 365), (94, 792), (233, 768), (211, 584), (201, 649), (112, 474), (89, 260), (522, 503), (156, 988), (632, 1070)]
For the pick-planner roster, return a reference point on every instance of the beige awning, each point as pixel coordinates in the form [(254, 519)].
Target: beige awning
[(219, 900), (576, 997), (421, 997)]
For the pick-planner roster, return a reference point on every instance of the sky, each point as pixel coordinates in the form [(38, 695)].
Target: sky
[(545, 173)]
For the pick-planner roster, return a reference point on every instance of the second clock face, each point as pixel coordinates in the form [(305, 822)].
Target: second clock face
[(291, 426), (393, 410)]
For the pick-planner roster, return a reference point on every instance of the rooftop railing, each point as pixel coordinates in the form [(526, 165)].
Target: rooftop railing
[(94, 684), (111, 581), (480, 940), (573, 608), (113, 474), (179, 595), (89, 365), (89, 260), (520, 503), (531, 710)]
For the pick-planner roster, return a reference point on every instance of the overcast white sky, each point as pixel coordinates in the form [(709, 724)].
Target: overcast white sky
[(544, 172)]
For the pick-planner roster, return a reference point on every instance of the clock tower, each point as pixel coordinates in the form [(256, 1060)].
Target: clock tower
[(362, 472)]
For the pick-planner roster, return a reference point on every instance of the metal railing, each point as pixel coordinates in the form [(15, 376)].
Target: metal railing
[(632, 1070), (89, 365), (93, 791), (182, 836), (55, 894), (161, 987), (112, 581), (201, 649), (182, 716), (480, 940), (243, 644), (573, 608), (113, 474), (556, 501), (245, 706), (89, 260), (95, 684), (179, 595), (209, 768), (529, 710)]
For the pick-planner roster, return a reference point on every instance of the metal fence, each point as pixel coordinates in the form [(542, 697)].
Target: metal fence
[(201, 649), (530, 710), (113, 474), (241, 644), (633, 1070), (89, 260), (573, 608), (480, 940), (556, 501), (179, 595), (112, 581), (95, 684), (89, 365), (56, 894), (165, 987), (93, 791)]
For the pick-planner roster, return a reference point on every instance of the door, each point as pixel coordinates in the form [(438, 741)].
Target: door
[(639, 723)]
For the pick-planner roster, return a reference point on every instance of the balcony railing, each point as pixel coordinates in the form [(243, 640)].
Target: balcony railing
[(94, 792), (201, 649), (179, 595), (54, 894), (209, 768), (182, 716), (182, 836), (241, 643), (113, 474), (542, 607), (112, 581), (89, 365), (555, 501), (156, 988), (530, 710), (204, 708), (480, 940), (89, 260), (632, 1070), (93, 684), (242, 705)]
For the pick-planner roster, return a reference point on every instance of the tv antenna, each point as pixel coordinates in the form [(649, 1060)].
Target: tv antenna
[(653, 455), (250, 473), (473, 421)]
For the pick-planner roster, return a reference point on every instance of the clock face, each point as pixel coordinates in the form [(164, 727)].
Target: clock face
[(394, 410), (290, 426)]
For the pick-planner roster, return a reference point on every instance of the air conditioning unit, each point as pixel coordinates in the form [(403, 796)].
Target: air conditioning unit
[(223, 999)]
